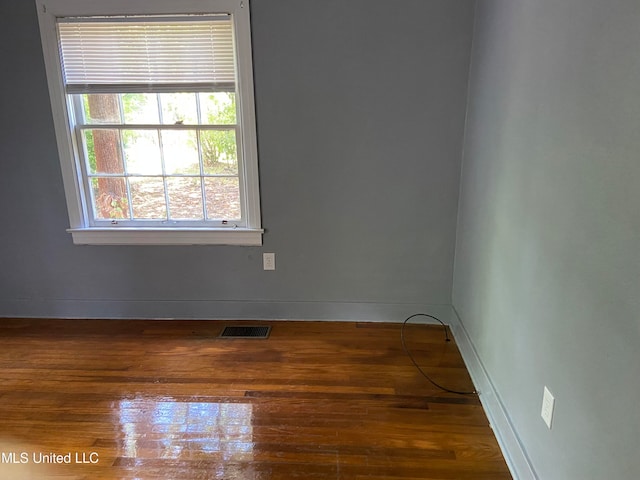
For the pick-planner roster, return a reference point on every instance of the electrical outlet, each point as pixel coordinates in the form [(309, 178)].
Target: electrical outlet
[(547, 407), (269, 261)]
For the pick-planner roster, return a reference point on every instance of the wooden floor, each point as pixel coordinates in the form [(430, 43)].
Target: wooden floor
[(170, 400)]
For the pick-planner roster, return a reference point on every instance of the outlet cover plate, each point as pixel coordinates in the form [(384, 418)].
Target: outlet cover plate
[(548, 402), (269, 261)]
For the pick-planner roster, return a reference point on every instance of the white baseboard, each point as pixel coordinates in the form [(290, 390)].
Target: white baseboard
[(514, 454), (218, 309)]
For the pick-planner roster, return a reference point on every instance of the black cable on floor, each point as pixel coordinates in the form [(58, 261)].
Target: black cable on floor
[(447, 339)]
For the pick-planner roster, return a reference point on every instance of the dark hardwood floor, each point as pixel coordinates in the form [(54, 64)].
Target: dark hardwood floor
[(137, 400)]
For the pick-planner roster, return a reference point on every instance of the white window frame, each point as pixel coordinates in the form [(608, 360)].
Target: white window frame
[(80, 226)]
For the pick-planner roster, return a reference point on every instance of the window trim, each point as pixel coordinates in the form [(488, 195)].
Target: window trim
[(77, 204)]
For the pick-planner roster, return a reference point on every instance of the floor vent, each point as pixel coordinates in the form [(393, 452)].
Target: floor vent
[(244, 331)]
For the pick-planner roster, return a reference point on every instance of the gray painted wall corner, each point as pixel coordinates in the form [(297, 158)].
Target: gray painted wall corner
[(547, 267)]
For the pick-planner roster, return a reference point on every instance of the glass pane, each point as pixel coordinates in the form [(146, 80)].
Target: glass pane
[(180, 151), (179, 108), (218, 108), (185, 198), (142, 152), (219, 154), (140, 108), (102, 147), (223, 198), (109, 198), (147, 198), (101, 108)]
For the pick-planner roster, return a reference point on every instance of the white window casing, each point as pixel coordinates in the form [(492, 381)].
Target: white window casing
[(194, 47)]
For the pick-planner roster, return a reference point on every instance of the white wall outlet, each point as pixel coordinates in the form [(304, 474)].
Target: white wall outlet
[(547, 406), (269, 261)]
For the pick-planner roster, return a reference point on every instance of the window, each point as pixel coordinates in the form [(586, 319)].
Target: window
[(154, 116)]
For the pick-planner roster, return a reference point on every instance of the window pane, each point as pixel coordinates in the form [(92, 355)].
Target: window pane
[(109, 198), (101, 108), (102, 147), (219, 153), (218, 108), (180, 149), (147, 198), (140, 108), (142, 152), (223, 198), (179, 108), (185, 198)]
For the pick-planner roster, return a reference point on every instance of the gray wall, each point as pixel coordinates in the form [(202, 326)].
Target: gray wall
[(547, 269), (360, 113)]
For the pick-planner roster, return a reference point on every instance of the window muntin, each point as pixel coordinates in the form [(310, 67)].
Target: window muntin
[(160, 158)]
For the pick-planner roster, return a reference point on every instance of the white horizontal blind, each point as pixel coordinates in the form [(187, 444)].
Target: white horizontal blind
[(128, 54)]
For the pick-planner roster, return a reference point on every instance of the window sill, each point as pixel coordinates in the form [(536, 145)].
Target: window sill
[(165, 236)]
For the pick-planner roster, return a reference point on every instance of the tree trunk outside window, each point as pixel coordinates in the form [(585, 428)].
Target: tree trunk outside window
[(111, 195)]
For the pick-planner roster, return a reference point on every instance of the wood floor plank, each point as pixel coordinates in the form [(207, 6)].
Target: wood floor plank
[(172, 400)]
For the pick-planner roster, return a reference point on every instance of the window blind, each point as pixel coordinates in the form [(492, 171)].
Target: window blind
[(128, 54)]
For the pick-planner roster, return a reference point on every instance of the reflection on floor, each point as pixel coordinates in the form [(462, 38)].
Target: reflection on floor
[(218, 432)]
